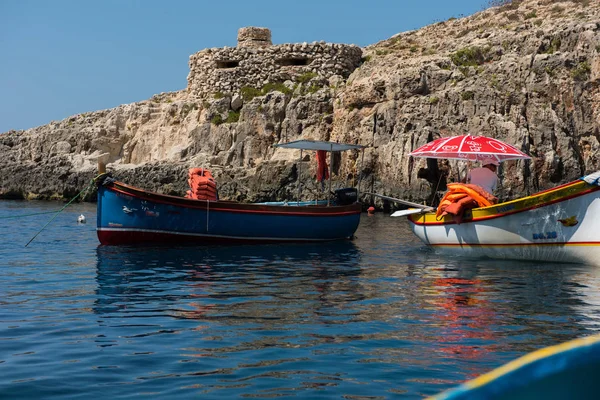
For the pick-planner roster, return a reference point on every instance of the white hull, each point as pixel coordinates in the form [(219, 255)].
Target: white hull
[(530, 234)]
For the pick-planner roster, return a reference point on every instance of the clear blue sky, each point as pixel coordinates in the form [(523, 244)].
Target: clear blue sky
[(64, 57)]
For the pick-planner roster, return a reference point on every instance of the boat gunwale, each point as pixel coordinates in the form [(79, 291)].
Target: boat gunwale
[(415, 219), (531, 368), (235, 207)]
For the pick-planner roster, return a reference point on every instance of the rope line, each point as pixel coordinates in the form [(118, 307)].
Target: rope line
[(92, 183), (27, 215)]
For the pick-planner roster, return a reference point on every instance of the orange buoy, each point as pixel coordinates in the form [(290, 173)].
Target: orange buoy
[(371, 210)]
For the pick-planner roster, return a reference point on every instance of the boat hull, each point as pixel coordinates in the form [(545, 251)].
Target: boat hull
[(565, 371), (557, 225), (128, 215)]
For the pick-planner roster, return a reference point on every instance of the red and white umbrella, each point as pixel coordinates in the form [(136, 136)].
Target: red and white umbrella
[(469, 148)]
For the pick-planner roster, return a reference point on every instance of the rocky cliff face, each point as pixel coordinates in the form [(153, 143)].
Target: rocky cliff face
[(527, 73)]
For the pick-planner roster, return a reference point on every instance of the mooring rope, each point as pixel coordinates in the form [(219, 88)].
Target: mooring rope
[(27, 215), (92, 183)]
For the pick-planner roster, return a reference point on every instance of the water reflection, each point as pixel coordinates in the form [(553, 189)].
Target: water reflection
[(240, 282), (276, 320)]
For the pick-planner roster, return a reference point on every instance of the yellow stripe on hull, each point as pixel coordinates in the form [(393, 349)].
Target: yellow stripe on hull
[(510, 207)]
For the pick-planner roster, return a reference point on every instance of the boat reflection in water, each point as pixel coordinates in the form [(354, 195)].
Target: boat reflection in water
[(281, 319), (192, 282)]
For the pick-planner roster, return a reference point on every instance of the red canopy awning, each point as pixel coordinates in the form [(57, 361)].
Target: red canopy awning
[(469, 148)]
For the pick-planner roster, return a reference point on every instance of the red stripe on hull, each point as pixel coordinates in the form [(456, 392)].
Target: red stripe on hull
[(137, 237), (515, 244), (233, 207)]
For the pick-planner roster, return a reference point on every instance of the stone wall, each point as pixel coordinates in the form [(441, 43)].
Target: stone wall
[(254, 62)]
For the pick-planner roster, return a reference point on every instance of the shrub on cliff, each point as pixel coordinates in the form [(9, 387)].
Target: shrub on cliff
[(469, 57), (233, 116), (217, 120), (468, 95), (581, 71), (276, 87), (249, 92), (305, 77)]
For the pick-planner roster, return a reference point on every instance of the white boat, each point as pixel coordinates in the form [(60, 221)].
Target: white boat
[(560, 224)]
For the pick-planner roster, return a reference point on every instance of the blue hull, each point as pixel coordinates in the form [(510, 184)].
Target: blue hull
[(566, 371), (128, 215)]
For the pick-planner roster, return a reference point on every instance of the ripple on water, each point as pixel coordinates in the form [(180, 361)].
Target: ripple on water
[(378, 317)]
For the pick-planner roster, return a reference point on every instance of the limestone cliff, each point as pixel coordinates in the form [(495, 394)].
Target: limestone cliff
[(527, 72)]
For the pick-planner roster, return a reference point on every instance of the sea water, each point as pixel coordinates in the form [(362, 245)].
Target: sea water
[(378, 317)]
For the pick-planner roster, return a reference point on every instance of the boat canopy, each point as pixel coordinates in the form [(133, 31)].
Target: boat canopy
[(318, 145)]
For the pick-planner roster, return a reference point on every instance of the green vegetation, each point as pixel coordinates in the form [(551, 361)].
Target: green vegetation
[(504, 4), (582, 71), (465, 32), (530, 15), (249, 92), (549, 70), (494, 83), (464, 71), (233, 116), (366, 59), (513, 16), (554, 46), (218, 95), (276, 87), (413, 49), (537, 22), (469, 57), (434, 100), (382, 52), (314, 88), (468, 95), (217, 120), (305, 77), (187, 108)]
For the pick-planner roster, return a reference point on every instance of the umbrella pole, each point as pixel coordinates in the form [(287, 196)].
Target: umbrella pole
[(330, 171), (359, 172), (299, 176)]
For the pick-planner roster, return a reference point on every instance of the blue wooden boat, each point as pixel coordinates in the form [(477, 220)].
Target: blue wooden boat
[(566, 371), (130, 215)]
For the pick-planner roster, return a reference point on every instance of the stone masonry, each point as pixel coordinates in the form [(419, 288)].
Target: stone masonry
[(255, 62)]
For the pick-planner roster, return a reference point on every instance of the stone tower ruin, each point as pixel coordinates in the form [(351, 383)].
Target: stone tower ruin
[(255, 61)]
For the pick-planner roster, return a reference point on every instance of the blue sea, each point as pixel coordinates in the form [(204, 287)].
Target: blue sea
[(379, 317)]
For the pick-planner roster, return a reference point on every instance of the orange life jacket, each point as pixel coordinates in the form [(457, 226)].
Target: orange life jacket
[(461, 197), (202, 185)]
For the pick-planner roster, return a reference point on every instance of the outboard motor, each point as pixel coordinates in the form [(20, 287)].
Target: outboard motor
[(346, 196)]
